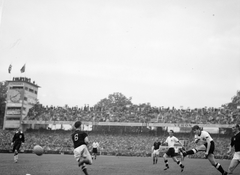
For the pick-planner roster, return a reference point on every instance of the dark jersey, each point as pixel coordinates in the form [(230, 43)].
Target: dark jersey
[(78, 138), (18, 137), (235, 141), (156, 145)]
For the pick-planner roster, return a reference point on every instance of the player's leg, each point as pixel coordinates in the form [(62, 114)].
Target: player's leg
[(194, 150), (165, 161), (16, 151), (82, 157), (217, 165), (153, 157), (181, 150), (84, 169), (87, 159), (234, 162), (96, 154), (212, 160), (157, 155), (86, 155), (178, 162)]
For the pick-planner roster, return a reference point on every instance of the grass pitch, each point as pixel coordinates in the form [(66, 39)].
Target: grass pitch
[(104, 165)]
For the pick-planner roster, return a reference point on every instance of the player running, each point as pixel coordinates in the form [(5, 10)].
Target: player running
[(208, 146), (235, 143), (17, 140), (171, 140), (155, 149), (81, 153)]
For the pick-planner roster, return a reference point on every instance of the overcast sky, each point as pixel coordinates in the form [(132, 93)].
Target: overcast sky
[(168, 53)]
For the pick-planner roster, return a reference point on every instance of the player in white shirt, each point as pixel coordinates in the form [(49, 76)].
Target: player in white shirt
[(95, 147), (171, 140), (207, 145)]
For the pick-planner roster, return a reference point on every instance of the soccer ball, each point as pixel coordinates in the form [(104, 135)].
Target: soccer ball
[(38, 150)]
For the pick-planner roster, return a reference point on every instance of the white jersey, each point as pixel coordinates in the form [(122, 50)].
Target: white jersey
[(95, 145), (203, 137), (171, 141)]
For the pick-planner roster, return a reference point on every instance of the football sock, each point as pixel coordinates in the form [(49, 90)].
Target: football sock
[(180, 164), (219, 168), (84, 169), (166, 163), (193, 151)]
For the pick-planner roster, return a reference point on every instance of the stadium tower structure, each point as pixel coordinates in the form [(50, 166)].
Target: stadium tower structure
[(21, 96)]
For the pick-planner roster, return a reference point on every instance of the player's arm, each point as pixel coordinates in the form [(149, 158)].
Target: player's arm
[(230, 147), (13, 139), (179, 143), (165, 142), (86, 140), (208, 145), (23, 139), (196, 139)]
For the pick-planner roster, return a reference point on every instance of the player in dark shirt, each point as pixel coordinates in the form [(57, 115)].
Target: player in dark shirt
[(235, 143), (17, 140), (155, 149), (81, 153)]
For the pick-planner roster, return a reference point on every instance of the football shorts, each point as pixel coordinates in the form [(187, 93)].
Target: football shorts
[(82, 152), (156, 152), (236, 155)]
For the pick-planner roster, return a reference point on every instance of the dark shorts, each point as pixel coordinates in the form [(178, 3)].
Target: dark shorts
[(16, 146), (212, 147), (171, 152), (94, 150)]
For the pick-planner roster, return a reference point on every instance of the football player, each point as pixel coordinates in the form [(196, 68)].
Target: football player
[(17, 140), (208, 146), (81, 153), (95, 147), (155, 149), (235, 143), (171, 141)]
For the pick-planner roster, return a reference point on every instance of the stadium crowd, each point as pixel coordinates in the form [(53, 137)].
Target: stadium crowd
[(117, 108), (136, 114), (110, 144)]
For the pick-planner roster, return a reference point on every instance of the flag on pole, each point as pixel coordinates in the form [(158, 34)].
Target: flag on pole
[(9, 68), (23, 69)]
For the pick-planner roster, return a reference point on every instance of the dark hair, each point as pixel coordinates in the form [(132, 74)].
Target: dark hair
[(237, 126), (171, 131), (195, 127), (77, 124)]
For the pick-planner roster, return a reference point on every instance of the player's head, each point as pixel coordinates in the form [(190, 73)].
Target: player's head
[(196, 129), (77, 124), (236, 128), (171, 132)]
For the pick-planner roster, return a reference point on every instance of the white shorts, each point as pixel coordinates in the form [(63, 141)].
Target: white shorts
[(82, 152), (236, 156), (156, 152)]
